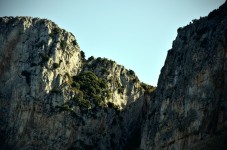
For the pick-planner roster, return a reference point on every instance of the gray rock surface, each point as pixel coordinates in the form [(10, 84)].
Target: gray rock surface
[(51, 97), (39, 106), (189, 110)]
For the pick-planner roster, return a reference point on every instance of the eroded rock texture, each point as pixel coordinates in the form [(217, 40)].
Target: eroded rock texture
[(190, 106), (51, 97), (44, 105)]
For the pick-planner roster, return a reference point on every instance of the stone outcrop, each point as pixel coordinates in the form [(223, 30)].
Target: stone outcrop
[(189, 110), (42, 103)]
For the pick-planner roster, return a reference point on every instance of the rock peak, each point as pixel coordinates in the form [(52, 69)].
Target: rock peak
[(52, 96)]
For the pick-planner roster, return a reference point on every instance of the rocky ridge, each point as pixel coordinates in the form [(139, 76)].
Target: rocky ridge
[(51, 97), (189, 106)]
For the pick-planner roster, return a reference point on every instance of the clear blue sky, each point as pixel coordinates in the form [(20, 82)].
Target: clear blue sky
[(134, 33)]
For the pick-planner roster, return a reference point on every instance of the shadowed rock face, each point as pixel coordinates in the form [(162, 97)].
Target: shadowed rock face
[(190, 106), (43, 106)]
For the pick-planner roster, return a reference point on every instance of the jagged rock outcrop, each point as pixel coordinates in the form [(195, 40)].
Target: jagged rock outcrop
[(51, 97), (123, 83), (189, 110)]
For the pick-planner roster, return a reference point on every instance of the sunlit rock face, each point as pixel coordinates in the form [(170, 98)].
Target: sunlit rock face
[(33, 63), (190, 106), (43, 105)]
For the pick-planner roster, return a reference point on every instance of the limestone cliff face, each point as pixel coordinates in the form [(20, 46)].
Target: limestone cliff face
[(44, 105), (51, 97), (34, 61), (124, 84), (189, 110)]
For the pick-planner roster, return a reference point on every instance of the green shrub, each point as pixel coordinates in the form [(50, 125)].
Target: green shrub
[(56, 65), (113, 106), (131, 72), (55, 30), (104, 71), (78, 93), (75, 42), (55, 91), (103, 84), (98, 101), (82, 103), (82, 55), (63, 44), (179, 29), (107, 94), (91, 58), (135, 79), (99, 59), (150, 90), (76, 85), (93, 87), (44, 58), (51, 35), (121, 89)]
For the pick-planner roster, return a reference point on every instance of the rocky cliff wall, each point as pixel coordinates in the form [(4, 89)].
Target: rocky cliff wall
[(51, 97), (189, 110), (33, 62)]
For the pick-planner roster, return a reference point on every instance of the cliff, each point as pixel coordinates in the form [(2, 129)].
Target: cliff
[(51, 97), (189, 110)]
